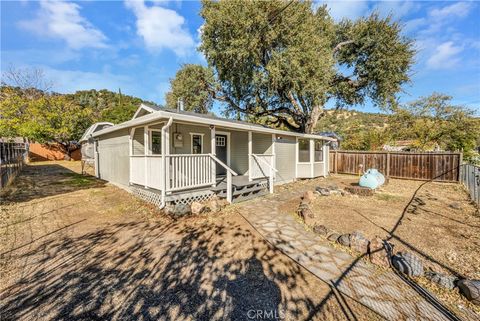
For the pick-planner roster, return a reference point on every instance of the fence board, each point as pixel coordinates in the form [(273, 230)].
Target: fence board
[(438, 166), (470, 178), (12, 158)]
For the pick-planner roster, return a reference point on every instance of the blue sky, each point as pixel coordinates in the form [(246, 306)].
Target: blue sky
[(138, 46)]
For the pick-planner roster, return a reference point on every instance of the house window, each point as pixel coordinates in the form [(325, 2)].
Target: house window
[(220, 141), (318, 151), (303, 151), (197, 143), (156, 142)]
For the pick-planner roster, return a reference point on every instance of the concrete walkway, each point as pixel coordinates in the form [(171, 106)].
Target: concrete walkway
[(382, 291)]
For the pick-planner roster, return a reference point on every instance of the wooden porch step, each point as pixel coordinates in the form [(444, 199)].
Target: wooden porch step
[(245, 190), (241, 197)]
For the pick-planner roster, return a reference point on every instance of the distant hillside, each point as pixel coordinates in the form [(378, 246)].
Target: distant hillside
[(107, 105), (344, 122)]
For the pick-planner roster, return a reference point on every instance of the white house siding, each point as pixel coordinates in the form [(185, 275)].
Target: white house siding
[(285, 159), (114, 161), (318, 169), (261, 143), (304, 170), (138, 141), (238, 151), (185, 130)]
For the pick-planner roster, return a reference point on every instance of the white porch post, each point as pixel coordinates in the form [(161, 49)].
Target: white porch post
[(166, 171), (96, 160), (312, 157), (274, 159), (130, 153), (296, 158), (326, 157), (213, 151), (272, 174), (146, 147), (250, 152)]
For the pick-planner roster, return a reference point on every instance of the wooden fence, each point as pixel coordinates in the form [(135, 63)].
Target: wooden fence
[(470, 178), (443, 166), (12, 159)]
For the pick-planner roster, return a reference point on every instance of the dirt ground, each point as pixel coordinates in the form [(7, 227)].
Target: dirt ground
[(76, 248), (435, 221)]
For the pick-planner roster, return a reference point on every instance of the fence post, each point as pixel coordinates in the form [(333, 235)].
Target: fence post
[(336, 161), (460, 163), (388, 166)]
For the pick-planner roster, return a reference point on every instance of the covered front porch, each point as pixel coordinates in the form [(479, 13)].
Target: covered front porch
[(198, 157)]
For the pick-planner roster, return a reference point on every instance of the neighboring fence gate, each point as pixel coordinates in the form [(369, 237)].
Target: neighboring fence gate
[(438, 166), (12, 159), (470, 178)]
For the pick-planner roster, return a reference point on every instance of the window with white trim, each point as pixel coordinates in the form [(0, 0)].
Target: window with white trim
[(318, 151), (303, 150), (156, 142), (197, 144), (220, 141)]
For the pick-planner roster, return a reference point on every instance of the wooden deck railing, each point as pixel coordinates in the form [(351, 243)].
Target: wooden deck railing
[(190, 171)]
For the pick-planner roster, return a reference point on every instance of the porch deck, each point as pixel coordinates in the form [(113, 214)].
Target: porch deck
[(242, 189)]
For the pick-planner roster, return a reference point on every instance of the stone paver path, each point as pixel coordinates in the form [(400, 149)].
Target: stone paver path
[(382, 291)]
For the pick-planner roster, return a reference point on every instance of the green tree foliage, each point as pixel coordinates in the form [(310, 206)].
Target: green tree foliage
[(428, 122), (107, 105), (45, 118), (434, 121), (286, 60), (193, 84)]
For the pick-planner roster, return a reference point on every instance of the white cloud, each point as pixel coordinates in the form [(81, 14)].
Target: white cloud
[(62, 20), (161, 28), (459, 9), (445, 56), (397, 9), (350, 9)]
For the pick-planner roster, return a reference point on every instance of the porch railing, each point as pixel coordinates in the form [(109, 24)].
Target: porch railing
[(263, 166), (183, 172), (190, 171)]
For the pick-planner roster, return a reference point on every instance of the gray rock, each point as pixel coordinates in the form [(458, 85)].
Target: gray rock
[(169, 208), (181, 209), (322, 191), (358, 242), (321, 230), (470, 289), (446, 281), (333, 237), (344, 239), (408, 264), (332, 187)]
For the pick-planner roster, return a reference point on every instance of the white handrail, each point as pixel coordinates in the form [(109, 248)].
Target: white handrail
[(261, 159), (231, 171), (271, 170)]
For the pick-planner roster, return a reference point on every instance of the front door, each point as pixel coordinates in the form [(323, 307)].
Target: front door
[(221, 151)]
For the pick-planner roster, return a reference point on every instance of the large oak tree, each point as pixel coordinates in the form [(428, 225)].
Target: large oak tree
[(285, 60)]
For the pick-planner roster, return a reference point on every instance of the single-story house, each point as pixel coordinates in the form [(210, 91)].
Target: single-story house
[(203, 155)]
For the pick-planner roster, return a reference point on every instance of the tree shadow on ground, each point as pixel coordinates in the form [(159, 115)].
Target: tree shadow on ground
[(158, 271), (37, 181)]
